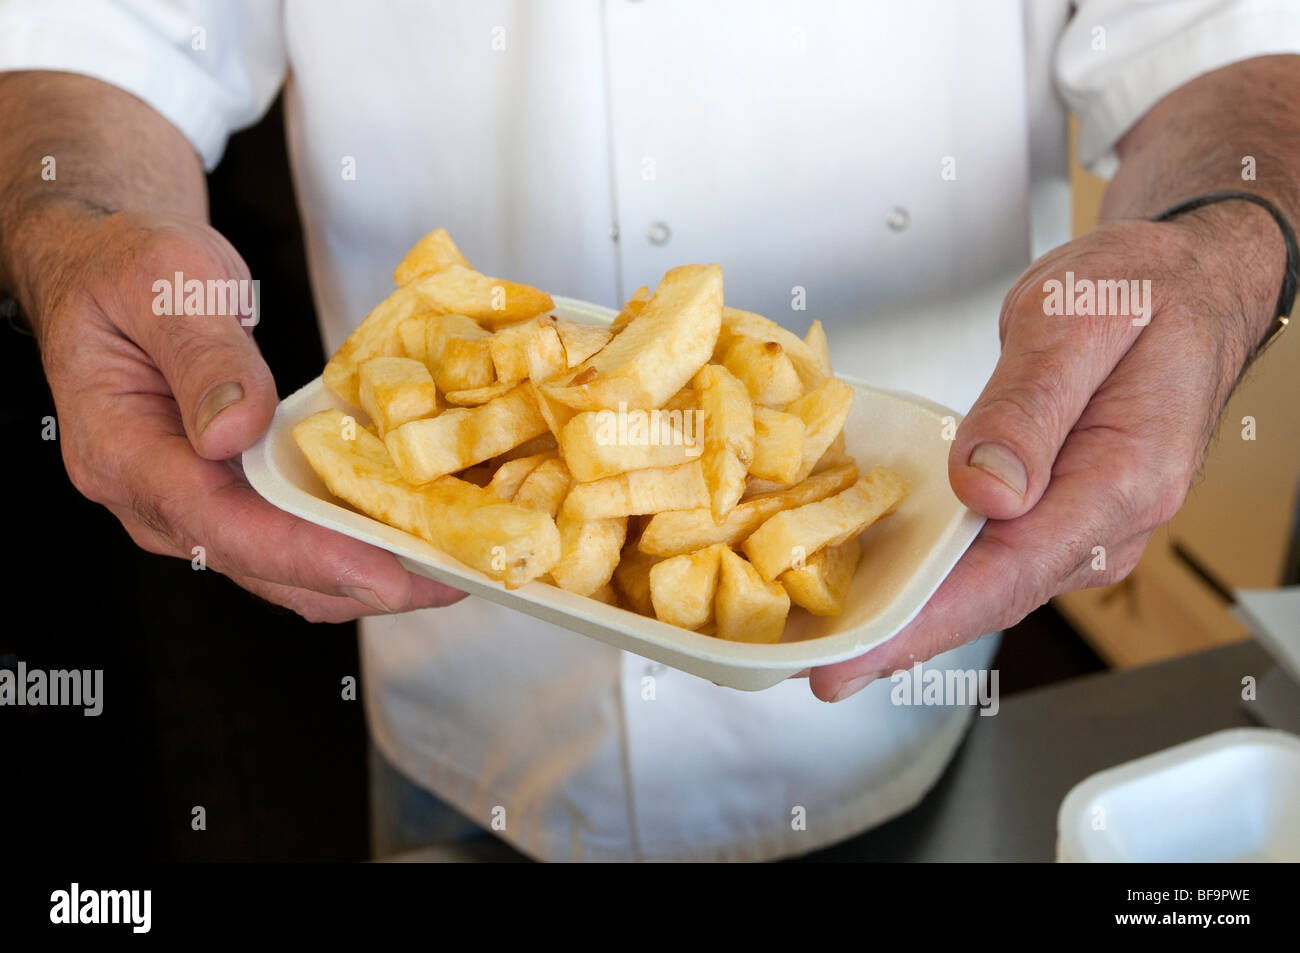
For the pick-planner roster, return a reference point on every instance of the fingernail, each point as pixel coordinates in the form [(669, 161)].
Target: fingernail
[(365, 597), (217, 400), (996, 460), (855, 685)]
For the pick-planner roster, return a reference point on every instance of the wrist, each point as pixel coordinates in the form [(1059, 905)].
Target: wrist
[(42, 232), (1242, 254)]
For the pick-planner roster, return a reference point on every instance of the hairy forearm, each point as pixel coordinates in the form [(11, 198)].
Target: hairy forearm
[(75, 148), (1201, 138)]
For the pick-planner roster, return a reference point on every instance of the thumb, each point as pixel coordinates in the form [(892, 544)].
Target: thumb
[(223, 387), (1001, 459)]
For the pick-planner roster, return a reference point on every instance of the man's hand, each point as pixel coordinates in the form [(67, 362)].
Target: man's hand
[(153, 409), (1092, 428), (1089, 432)]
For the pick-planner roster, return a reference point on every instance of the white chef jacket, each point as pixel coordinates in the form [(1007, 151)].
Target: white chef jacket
[(586, 147)]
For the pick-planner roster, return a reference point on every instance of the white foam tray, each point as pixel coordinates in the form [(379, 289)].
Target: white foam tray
[(1230, 796), (904, 557)]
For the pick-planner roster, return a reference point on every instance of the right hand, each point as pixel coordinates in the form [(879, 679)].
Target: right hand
[(153, 411)]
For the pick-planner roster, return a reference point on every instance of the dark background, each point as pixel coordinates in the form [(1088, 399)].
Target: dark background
[(211, 696)]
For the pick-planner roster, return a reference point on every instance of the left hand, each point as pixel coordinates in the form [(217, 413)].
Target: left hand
[(1091, 429)]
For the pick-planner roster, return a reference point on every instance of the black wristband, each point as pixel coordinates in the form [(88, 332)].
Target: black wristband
[(1285, 299)]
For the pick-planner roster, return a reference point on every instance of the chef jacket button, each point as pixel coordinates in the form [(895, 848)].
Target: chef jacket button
[(658, 233), (897, 219)]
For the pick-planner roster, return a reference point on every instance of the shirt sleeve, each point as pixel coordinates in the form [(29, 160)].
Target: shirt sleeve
[(211, 67), (1117, 58)]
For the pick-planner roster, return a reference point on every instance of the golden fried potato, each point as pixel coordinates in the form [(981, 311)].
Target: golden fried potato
[(542, 443), (577, 342), (544, 353), (589, 553), (688, 461), (580, 341), (477, 396), (638, 491), (510, 349), (746, 324), (376, 336), (596, 446), (835, 456), (433, 252), (778, 446), (463, 436), (820, 347), (412, 334), (821, 585), (545, 356), (455, 289), (605, 594), (630, 310), (728, 436), (765, 369), (823, 410), (545, 488), (632, 579), (683, 400), (458, 289), (670, 534), (509, 543), (659, 350), (458, 351), (795, 535), (394, 390), (509, 477), (728, 411), (682, 588), (747, 608)]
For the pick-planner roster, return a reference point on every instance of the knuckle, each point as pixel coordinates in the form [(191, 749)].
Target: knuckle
[(1113, 573), (146, 539), (325, 560), (151, 508), (1034, 408), (150, 513), (1031, 585), (1118, 573), (194, 350), (1119, 567), (90, 469), (1028, 592), (1130, 487), (1168, 501), (1012, 309), (181, 339), (1147, 497), (162, 251), (61, 330), (83, 477)]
